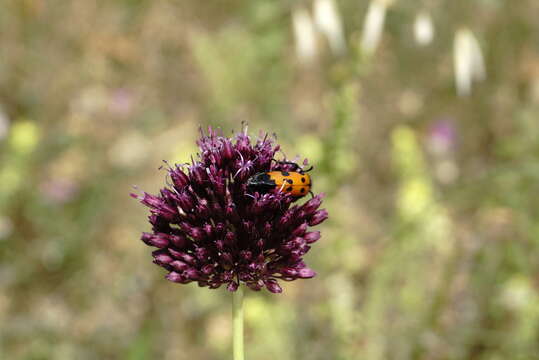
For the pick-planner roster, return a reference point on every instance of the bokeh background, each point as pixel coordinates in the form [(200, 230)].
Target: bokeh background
[(420, 117)]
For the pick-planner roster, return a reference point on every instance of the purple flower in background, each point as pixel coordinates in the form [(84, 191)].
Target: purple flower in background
[(209, 229), (59, 190), (442, 136), (121, 102)]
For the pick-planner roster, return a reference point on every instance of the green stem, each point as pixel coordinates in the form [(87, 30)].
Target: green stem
[(237, 323)]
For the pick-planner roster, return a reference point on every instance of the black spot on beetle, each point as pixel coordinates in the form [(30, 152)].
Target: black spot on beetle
[(290, 181), (302, 179), (289, 188), (285, 173), (302, 190)]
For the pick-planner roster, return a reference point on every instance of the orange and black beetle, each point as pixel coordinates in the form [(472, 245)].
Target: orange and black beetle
[(297, 183)]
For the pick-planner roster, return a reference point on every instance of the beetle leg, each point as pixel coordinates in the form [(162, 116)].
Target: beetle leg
[(296, 166)]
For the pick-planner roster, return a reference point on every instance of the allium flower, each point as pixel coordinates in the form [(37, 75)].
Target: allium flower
[(210, 229)]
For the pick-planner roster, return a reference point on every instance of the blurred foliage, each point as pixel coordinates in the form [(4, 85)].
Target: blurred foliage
[(431, 248)]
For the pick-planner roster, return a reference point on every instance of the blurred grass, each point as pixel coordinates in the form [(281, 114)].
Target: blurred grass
[(430, 250)]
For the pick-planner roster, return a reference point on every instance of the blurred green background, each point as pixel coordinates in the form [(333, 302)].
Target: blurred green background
[(420, 117)]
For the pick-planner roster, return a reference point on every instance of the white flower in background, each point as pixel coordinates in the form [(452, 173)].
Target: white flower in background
[(4, 124), (328, 21), (305, 35), (6, 227), (468, 61), (423, 28), (518, 293), (130, 150), (374, 25)]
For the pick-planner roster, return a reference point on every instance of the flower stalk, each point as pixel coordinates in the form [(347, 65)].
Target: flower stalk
[(237, 324)]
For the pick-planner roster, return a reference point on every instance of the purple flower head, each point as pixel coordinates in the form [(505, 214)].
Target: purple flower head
[(210, 229)]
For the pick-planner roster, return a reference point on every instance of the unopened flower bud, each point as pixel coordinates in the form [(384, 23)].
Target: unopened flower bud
[(273, 286), (306, 273), (311, 237), (318, 217)]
